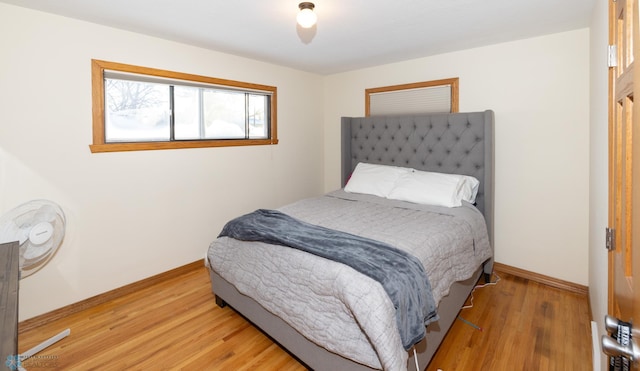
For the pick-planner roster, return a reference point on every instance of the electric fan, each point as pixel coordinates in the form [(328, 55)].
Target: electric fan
[(39, 227)]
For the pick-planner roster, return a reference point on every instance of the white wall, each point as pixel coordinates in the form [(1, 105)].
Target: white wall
[(133, 215), (598, 178), (539, 90)]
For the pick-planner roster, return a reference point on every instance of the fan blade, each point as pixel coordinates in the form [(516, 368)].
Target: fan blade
[(10, 232), (46, 213)]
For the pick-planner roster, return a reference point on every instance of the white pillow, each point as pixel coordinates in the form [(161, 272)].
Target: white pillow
[(469, 189), (437, 189), (377, 180)]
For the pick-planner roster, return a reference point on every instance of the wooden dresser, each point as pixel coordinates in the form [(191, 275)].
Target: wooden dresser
[(9, 277)]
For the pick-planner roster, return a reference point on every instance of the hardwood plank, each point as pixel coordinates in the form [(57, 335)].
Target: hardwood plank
[(175, 324)]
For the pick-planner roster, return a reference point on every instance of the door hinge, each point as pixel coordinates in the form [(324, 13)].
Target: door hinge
[(612, 55), (610, 239)]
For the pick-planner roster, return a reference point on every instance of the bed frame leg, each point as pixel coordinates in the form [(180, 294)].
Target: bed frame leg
[(488, 270), (221, 303)]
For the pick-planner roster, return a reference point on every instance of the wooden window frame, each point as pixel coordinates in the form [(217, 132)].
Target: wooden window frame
[(453, 82), (98, 68)]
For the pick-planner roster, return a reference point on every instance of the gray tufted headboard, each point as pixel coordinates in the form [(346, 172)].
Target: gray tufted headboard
[(460, 143)]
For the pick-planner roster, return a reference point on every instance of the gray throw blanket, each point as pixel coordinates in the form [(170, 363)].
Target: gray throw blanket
[(401, 275)]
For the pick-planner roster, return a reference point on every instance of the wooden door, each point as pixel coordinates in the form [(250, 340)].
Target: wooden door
[(624, 166)]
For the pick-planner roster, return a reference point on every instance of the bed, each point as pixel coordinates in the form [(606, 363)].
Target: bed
[(332, 317)]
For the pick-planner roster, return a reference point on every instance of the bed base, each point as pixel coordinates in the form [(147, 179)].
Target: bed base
[(317, 358)]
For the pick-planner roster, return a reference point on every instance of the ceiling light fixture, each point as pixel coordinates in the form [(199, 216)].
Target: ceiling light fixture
[(306, 17)]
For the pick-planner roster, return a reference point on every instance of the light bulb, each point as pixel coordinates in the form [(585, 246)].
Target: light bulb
[(306, 17)]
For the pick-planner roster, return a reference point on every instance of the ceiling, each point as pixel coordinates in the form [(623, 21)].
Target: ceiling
[(350, 34)]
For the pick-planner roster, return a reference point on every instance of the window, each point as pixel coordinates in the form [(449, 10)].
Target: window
[(416, 98), (139, 108)]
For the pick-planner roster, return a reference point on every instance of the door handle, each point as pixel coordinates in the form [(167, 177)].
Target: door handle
[(611, 323), (613, 348)]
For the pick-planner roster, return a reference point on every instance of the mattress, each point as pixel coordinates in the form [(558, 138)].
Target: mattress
[(333, 305)]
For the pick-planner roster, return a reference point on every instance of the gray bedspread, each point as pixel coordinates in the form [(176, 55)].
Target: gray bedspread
[(332, 304), (401, 275)]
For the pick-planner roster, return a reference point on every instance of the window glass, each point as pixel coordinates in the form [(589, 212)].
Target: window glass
[(136, 111), (224, 114), (188, 117), (258, 108)]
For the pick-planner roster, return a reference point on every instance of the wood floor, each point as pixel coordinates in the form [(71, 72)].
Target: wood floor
[(176, 325)]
